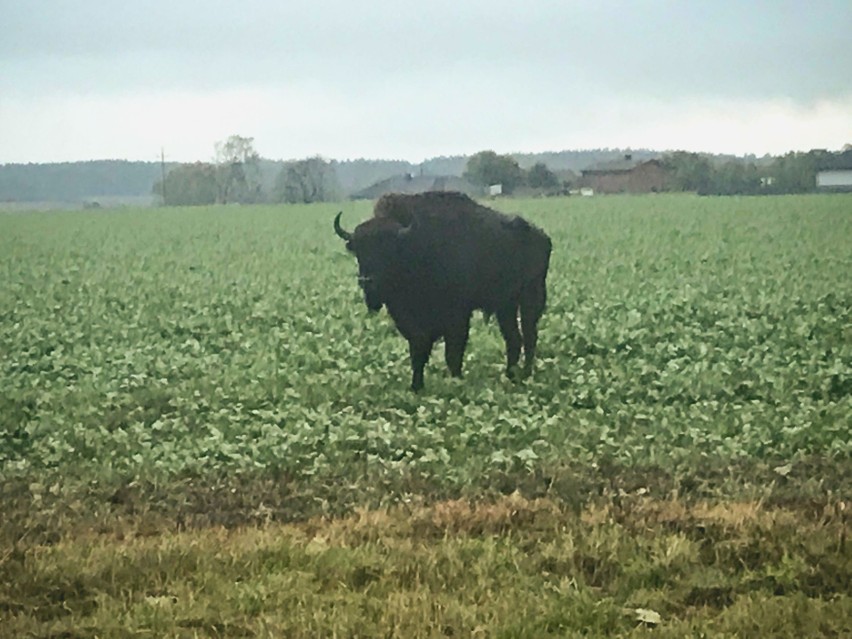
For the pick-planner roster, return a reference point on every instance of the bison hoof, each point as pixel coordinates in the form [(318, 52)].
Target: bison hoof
[(515, 373)]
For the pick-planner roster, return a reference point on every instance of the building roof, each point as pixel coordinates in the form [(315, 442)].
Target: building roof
[(623, 165), (408, 183)]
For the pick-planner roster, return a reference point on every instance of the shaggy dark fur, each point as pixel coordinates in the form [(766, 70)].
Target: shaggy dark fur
[(433, 258)]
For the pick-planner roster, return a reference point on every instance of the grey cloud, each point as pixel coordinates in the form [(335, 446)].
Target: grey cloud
[(662, 49)]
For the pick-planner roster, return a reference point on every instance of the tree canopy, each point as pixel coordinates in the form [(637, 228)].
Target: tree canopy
[(541, 177), (189, 185), (237, 171), (487, 167), (305, 181)]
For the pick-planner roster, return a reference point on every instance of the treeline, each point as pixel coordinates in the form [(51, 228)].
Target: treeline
[(238, 174), (244, 177), (704, 174), (77, 181), (489, 168), (794, 172), (355, 175)]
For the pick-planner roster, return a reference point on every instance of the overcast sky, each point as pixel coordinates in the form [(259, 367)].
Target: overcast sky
[(393, 79)]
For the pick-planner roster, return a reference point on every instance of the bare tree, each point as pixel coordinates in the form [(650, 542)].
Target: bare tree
[(309, 180), (237, 170)]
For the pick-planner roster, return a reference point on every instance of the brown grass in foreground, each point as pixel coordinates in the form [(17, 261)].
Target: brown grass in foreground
[(512, 567)]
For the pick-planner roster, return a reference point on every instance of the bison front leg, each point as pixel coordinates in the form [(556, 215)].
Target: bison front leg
[(419, 349), (455, 342), (507, 317)]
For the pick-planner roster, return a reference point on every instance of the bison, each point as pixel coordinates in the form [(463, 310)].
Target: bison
[(433, 258)]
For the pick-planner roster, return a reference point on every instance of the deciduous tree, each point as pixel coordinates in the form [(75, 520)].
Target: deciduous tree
[(308, 180), (688, 171), (237, 171), (541, 177), (487, 167), (189, 185)]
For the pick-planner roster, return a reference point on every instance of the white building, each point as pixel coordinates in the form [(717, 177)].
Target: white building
[(834, 180)]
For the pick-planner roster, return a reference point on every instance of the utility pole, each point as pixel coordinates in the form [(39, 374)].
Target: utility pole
[(163, 169)]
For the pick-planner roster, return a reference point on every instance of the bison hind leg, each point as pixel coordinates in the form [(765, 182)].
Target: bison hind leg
[(419, 349), (533, 300), (507, 318)]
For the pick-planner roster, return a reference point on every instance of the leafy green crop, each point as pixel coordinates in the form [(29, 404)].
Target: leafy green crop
[(184, 342)]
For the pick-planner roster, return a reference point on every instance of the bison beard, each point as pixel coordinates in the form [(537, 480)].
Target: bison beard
[(432, 259)]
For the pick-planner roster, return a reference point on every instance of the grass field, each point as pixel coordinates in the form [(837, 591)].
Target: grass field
[(203, 432)]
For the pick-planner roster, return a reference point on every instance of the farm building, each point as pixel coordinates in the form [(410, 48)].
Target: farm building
[(835, 172), (625, 176), (408, 183)]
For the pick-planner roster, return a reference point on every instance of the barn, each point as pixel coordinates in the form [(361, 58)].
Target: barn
[(625, 176)]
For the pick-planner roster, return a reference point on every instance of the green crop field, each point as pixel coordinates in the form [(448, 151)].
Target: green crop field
[(204, 433)]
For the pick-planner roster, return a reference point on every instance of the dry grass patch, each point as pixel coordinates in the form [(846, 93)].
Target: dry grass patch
[(506, 567)]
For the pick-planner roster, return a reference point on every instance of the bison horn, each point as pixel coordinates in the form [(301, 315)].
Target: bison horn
[(344, 235)]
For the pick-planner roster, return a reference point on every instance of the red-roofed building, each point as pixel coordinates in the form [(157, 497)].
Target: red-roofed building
[(625, 176)]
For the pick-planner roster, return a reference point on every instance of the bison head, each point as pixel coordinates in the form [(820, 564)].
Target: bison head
[(376, 244)]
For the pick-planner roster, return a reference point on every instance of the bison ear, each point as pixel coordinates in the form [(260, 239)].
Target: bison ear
[(349, 246)]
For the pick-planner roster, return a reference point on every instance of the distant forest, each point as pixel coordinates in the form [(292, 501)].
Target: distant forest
[(77, 181), (116, 182)]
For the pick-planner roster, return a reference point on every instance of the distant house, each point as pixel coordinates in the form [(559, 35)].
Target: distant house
[(834, 173), (409, 183), (625, 176)]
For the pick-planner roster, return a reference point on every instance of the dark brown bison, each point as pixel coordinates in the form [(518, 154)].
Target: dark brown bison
[(434, 258)]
